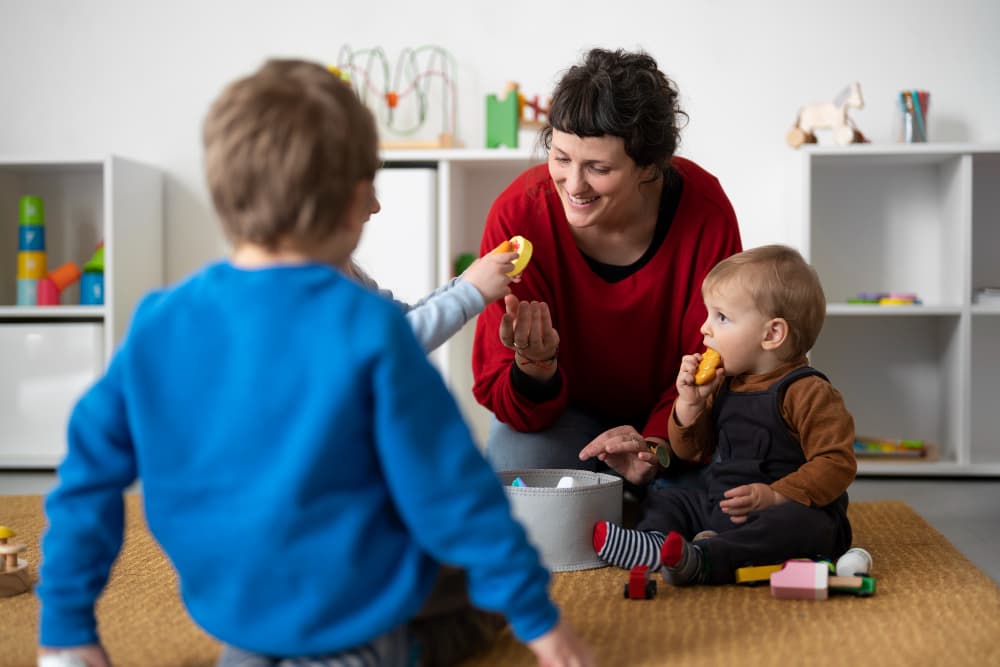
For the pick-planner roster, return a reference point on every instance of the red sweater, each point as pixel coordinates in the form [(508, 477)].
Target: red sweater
[(620, 343)]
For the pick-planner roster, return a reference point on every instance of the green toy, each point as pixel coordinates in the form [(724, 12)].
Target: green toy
[(502, 118), (96, 263)]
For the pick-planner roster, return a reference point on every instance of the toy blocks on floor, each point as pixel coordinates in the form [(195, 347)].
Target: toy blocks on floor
[(640, 586)]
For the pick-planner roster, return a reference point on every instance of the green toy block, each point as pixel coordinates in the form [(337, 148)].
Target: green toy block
[(501, 120), (96, 262)]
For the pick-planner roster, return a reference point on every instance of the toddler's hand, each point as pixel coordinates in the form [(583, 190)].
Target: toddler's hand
[(742, 500), (489, 275), (691, 397)]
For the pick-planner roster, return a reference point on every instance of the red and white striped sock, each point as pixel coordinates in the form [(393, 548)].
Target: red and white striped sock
[(627, 548)]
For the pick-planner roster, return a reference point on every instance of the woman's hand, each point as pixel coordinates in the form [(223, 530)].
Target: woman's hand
[(625, 451), (741, 500), (526, 327), (488, 274)]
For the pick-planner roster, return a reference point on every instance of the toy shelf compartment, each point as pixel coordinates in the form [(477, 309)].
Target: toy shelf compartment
[(73, 196), (888, 223), (912, 392), (985, 240), (922, 219), (50, 354), (984, 418)]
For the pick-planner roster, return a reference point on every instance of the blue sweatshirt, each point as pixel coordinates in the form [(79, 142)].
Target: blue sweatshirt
[(302, 465)]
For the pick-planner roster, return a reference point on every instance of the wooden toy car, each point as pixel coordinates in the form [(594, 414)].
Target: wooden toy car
[(640, 586)]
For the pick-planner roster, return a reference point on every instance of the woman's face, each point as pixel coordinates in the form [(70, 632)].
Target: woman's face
[(597, 181)]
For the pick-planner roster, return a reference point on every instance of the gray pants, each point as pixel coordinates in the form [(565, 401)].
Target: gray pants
[(555, 447), (393, 648), (446, 631)]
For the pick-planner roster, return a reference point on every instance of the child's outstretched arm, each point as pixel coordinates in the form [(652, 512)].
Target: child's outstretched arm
[(489, 275), (442, 313)]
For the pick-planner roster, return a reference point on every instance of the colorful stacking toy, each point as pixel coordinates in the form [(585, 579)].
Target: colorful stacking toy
[(30, 250), (92, 280)]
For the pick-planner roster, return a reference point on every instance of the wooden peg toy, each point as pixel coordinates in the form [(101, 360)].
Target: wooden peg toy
[(13, 570)]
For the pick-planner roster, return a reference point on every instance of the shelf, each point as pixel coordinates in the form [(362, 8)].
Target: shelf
[(467, 156), (36, 313), (875, 310), (899, 153), (51, 354), (925, 468), (923, 219)]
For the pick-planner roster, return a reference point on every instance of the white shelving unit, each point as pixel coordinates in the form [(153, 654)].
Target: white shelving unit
[(468, 180), (51, 354), (924, 219)]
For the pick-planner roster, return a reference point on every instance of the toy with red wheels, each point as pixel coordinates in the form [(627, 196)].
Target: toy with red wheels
[(640, 586)]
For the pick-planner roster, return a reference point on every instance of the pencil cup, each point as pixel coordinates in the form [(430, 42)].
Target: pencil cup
[(912, 106)]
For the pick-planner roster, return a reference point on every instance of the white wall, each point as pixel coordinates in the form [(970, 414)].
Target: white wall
[(135, 77)]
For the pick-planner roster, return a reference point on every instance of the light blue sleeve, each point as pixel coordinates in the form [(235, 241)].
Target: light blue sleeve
[(439, 315)]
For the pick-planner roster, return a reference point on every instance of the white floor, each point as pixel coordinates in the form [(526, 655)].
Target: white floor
[(966, 511)]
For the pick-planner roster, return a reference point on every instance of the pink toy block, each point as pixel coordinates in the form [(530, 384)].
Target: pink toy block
[(801, 580)]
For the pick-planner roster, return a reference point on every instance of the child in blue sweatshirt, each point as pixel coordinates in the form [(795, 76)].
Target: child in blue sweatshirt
[(271, 400)]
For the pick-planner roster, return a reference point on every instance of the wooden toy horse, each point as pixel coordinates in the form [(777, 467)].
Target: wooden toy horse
[(829, 115)]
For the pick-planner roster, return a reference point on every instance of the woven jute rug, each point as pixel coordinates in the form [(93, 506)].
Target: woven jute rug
[(932, 607)]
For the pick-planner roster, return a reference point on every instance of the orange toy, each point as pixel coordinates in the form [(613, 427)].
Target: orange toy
[(522, 247), (710, 361)]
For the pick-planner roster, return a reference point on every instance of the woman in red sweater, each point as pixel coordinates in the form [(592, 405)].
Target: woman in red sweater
[(623, 232)]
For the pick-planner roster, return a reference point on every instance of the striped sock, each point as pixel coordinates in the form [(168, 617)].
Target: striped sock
[(683, 562), (627, 548)]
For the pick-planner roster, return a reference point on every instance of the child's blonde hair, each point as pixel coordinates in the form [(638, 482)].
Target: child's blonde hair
[(285, 148), (781, 284)]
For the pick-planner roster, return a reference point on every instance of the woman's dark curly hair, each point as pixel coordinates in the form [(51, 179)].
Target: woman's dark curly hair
[(621, 94)]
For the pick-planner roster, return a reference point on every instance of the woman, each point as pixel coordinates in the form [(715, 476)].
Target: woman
[(623, 233)]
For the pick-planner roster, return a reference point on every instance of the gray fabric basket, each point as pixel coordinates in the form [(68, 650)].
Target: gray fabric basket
[(560, 522)]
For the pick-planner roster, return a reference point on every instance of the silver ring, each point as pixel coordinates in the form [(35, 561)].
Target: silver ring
[(521, 347)]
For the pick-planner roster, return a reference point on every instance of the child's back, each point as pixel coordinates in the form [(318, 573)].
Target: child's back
[(303, 465)]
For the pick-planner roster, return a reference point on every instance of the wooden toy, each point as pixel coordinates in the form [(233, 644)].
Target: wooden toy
[(506, 115), (889, 447), (856, 585), (402, 101), (502, 118), (855, 561), (801, 580), (13, 570), (662, 454), (756, 575), (640, 586), (523, 248), (810, 580), (829, 115)]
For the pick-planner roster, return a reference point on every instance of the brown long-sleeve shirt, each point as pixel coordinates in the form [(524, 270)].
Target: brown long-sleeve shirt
[(816, 416)]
